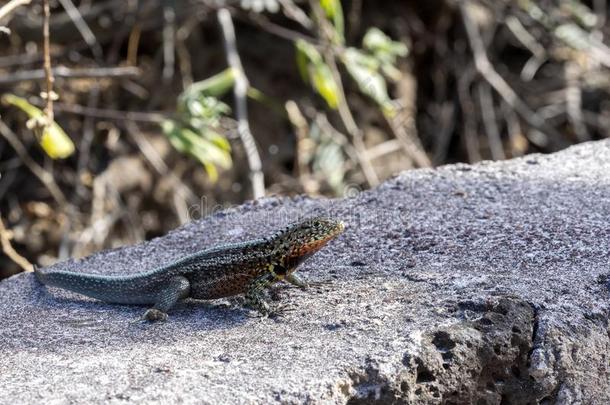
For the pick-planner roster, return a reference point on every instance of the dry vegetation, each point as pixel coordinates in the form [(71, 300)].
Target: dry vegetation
[(164, 110)]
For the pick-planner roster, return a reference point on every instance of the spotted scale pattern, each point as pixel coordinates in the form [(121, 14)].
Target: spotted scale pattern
[(227, 270)]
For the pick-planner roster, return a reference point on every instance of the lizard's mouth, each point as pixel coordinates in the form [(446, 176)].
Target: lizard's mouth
[(318, 243)]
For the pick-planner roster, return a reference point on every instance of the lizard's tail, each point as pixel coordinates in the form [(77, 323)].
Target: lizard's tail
[(62, 279), (105, 288)]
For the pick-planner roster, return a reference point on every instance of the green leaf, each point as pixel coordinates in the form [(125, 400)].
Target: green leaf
[(385, 51), (318, 73), (209, 148), (52, 138), (573, 36), (334, 11), (364, 69), (55, 142), (328, 159), (302, 61), (380, 44), (200, 111), (330, 7), (309, 53), (203, 111), (219, 140), (215, 86), (325, 85)]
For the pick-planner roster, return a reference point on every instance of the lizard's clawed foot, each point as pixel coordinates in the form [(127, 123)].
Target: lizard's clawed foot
[(272, 313), (154, 315), (281, 310), (261, 310)]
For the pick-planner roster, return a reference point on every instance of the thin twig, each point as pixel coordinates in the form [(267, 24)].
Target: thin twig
[(7, 248), (83, 29), (402, 122), (344, 112), (45, 177), (301, 127), (184, 60), (169, 41), (486, 69), (469, 129), (47, 64), (489, 121), (295, 13), (445, 113), (240, 90), (384, 148), (86, 141), (132, 45), (157, 162), (11, 6), (353, 19), (574, 101), (600, 121), (322, 122), (529, 41), (405, 133), (67, 73), (351, 126), (518, 142), (109, 114), (183, 194), (262, 22)]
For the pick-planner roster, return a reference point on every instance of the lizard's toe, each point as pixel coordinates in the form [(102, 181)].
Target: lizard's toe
[(154, 315), (282, 310)]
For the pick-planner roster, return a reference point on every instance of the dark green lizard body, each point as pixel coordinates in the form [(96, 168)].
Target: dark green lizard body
[(227, 270)]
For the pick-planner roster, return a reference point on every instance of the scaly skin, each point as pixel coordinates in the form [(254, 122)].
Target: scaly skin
[(223, 271)]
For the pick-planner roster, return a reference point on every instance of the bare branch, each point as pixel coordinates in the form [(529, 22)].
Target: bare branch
[(169, 41), (344, 111), (240, 90), (11, 6), (7, 248), (83, 28), (487, 71), (64, 72), (47, 64), (574, 101), (45, 177), (489, 121)]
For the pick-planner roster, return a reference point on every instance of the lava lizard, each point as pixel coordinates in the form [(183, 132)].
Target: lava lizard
[(223, 271)]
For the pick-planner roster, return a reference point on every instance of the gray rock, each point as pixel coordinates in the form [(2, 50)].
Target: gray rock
[(465, 284)]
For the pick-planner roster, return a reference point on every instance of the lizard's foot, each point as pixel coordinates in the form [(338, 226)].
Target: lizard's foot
[(260, 309), (273, 313), (281, 310), (154, 315)]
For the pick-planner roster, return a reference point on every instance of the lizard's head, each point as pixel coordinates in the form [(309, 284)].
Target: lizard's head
[(300, 240)]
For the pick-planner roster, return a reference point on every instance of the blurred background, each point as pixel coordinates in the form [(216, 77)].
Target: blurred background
[(128, 118)]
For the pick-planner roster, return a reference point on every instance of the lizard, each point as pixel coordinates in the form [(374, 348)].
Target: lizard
[(226, 270)]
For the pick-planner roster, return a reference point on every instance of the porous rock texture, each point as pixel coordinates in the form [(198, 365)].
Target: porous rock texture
[(484, 284)]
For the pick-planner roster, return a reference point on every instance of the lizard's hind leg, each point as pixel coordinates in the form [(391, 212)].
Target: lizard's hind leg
[(255, 295), (176, 289)]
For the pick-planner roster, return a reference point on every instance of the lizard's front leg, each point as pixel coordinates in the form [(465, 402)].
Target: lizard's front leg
[(177, 288), (255, 293), (302, 284), (297, 281)]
